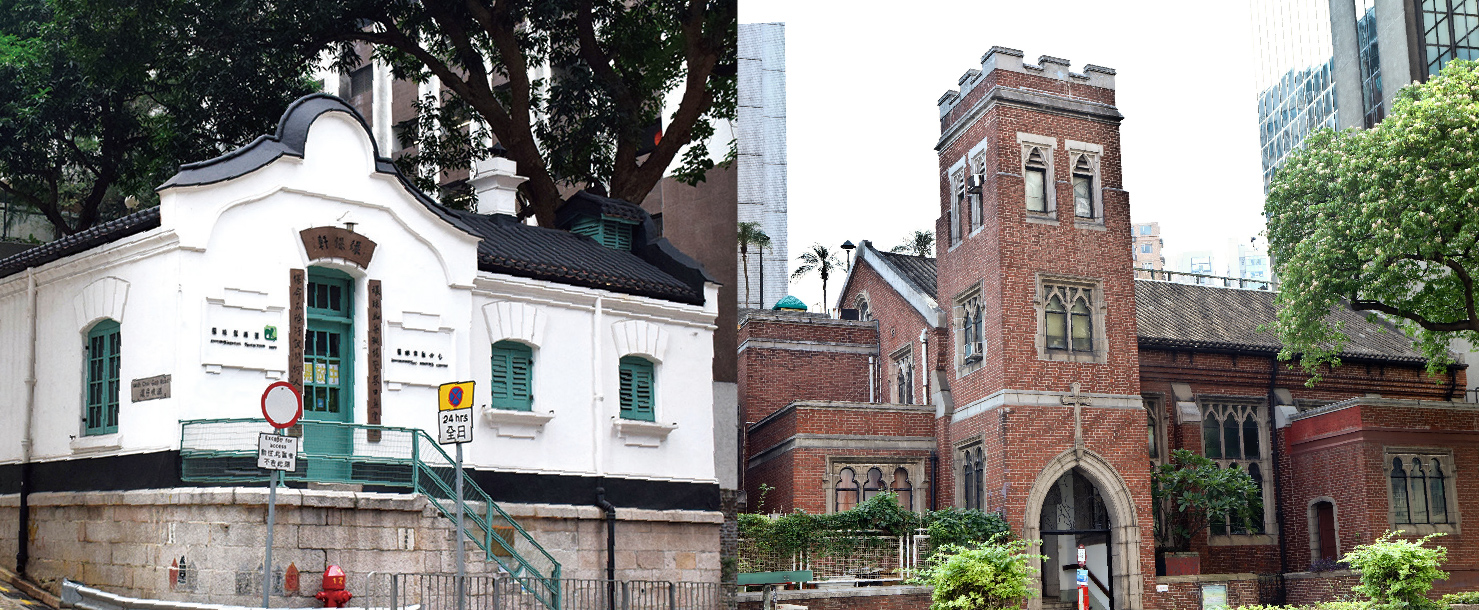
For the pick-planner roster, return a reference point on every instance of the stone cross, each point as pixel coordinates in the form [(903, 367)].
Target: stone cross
[(1078, 403)]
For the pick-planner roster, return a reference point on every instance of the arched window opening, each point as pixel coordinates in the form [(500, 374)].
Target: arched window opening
[(874, 484), (1400, 514), (903, 488), (847, 490)]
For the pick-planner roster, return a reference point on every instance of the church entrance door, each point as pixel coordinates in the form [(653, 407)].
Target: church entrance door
[(1073, 514)]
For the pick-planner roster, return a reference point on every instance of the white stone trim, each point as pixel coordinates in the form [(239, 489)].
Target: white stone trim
[(509, 320), (516, 424), (639, 433), (641, 338), (1031, 138), (104, 298), (927, 307), (1076, 146), (1035, 398)]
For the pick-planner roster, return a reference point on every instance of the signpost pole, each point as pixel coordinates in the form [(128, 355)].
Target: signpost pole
[(461, 599), (271, 521)]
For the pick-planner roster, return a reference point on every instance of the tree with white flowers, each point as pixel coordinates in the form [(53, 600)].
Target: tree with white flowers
[(1383, 220)]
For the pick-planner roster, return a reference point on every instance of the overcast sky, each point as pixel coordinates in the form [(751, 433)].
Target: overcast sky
[(863, 79)]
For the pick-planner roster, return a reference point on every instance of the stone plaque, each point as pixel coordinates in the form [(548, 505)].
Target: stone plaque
[(333, 242), (150, 388)]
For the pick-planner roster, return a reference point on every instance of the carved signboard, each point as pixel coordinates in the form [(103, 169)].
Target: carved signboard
[(150, 388), (333, 242), (372, 404)]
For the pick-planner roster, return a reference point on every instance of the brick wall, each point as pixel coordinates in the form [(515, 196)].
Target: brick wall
[(1312, 588), (787, 357), (1185, 592), (899, 324)]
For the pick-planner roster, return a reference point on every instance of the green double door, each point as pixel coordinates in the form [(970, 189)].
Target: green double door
[(328, 374)]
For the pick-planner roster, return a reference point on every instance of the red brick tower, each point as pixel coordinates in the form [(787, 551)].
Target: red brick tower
[(1035, 277)]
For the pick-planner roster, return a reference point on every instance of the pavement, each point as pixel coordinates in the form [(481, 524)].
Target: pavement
[(12, 598)]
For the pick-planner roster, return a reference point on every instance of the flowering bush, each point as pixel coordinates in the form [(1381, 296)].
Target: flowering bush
[(1397, 574), (1381, 220), (992, 575)]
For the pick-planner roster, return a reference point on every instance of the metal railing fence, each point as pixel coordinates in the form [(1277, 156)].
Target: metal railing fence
[(225, 451), (845, 556), (1203, 279), (504, 592)]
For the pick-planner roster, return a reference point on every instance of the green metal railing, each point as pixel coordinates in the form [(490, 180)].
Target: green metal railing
[(225, 451)]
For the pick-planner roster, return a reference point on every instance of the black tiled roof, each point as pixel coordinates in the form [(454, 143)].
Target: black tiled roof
[(654, 268), (919, 271), (514, 248), (81, 241), (1187, 315)]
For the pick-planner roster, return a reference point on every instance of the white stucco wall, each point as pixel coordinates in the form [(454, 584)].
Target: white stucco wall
[(222, 258)]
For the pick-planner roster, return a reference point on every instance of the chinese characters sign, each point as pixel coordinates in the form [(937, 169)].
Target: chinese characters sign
[(277, 452), (454, 413), (151, 388), (333, 242)]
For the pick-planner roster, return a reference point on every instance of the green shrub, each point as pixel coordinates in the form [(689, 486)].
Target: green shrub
[(964, 526), (1467, 597), (992, 575), (1397, 574)]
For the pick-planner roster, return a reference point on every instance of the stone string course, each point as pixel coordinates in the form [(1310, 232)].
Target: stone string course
[(125, 542)]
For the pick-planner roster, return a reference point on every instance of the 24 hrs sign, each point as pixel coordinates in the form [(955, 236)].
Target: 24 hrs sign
[(454, 413)]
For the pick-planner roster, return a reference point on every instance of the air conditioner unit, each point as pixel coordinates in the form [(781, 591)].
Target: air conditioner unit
[(973, 184)]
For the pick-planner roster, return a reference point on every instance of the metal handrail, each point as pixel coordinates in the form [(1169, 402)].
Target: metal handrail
[(221, 448)]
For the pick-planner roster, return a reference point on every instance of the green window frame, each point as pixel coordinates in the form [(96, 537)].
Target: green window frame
[(104, 349), (638, 389), (328, 355), (512, 385), (611, 233)]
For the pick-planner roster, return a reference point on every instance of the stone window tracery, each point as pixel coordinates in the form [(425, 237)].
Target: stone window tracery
[(1235, 436), (1085, 179), (972, 477), (978, 195), (957, 203), (970, 342), (856, 480), (1421, 491), (1035, 178), (903, 377)]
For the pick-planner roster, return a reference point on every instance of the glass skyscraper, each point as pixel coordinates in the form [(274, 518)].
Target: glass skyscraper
[(1293, 74)]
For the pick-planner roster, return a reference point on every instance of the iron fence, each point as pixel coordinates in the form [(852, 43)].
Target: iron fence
[(505, 592), (1203, 279), (844, 556), (225, 451)]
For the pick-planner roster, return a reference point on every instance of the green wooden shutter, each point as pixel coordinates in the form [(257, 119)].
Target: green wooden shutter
[(100, 415), (638, 389), (513, 376)]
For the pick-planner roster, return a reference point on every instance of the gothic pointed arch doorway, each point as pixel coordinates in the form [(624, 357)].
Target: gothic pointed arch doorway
[(1078, 498), (1073, 518)]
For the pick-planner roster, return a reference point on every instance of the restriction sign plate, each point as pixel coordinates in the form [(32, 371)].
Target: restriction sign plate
[(454, 413), (275, 452)]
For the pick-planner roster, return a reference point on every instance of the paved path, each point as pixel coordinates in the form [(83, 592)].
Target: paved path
[(12, 598)]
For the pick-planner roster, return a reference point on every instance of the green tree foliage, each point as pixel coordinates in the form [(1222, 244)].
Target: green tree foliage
[(823, 261), (100, 101), (1397, 574), (750, 235), (1383, 220), (1191, 490), (798, 531), (965, 526), (569, 88), (918, 243), (991, 575)]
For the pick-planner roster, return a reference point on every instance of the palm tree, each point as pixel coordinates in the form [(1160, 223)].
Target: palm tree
[(750, 235), (918, 243), (821, 260)]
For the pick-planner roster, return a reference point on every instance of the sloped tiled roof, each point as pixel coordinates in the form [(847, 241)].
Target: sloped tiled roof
[(81, 241), (514, 248), (654, 269), (1187, 315), (919, 271)]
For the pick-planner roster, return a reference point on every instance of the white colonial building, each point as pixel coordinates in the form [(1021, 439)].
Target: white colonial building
[(305, 257)]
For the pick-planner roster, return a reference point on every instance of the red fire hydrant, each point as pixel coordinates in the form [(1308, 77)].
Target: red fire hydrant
[(333, 595)]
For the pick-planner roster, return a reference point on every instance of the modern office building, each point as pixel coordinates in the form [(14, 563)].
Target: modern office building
[(762, 159), (1339, 63)]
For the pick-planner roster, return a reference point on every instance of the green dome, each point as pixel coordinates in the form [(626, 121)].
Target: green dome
[(790, 302)]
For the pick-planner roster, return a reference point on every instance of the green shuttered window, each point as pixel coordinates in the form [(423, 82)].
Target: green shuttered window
[(513, 376), (103, 348), (611, 233), (638, 388)]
